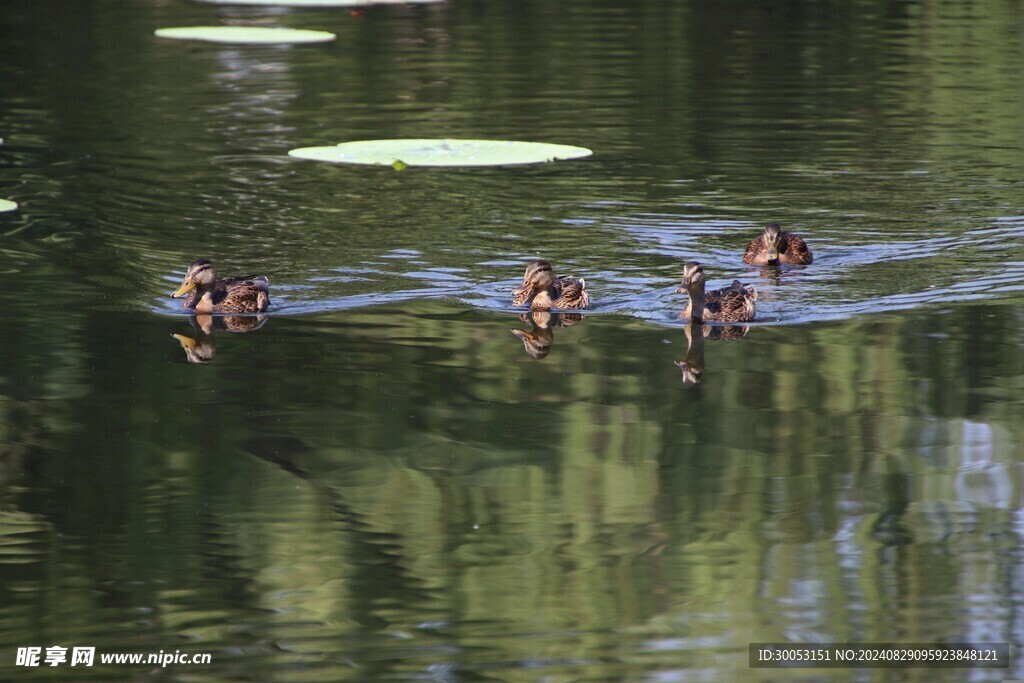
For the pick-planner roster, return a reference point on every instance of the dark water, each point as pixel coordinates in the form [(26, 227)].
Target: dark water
[(378, 482)]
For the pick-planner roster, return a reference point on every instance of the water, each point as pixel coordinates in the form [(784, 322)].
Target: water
[(379, 481)]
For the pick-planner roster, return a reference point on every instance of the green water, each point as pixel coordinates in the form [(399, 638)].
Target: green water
[(378, 481)]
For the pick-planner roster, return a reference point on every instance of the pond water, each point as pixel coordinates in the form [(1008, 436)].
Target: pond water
[(379, 480)]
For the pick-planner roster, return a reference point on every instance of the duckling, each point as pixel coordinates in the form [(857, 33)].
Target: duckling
[(775, 246), (543, 290), (734, 304), (224, 295)]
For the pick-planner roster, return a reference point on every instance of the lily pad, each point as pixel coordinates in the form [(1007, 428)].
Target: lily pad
[(318, 3), (6, 205), (427, 152), (245, 34)]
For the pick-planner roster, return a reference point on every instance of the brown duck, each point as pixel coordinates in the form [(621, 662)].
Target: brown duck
[(776, 246), (541, 289), (732, 304), (210, 294)]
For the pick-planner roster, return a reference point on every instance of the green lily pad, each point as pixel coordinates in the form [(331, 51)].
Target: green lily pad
[(415, 152), (6, 205), (318, 3), (245, 34)]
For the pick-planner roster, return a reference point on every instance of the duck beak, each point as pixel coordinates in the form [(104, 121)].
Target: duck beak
[(773, 252), (524, 288), (187, 343), (187, 286)]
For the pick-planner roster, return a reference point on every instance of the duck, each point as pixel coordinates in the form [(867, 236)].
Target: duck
[(776, 246), (210, 294), (732, 304), (543, 290)]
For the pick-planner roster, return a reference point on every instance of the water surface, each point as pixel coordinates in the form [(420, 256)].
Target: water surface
[(379, 482)]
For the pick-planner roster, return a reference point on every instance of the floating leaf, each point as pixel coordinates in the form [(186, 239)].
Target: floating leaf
[(245, 34), (318, 3), (6, 205), (428, 152)]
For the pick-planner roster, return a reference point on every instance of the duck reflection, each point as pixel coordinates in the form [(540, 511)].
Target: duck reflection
[(538, 340), (692, 366), (771, 274), (201, 348)]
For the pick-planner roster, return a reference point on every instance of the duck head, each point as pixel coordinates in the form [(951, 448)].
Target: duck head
[(693, 278), (772, 241), (539, 277), (200, 275)]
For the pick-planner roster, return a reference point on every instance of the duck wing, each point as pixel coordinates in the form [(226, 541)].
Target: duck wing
[(239, 295), (571, 292), (794, 249), (756, 252), (732, 304)]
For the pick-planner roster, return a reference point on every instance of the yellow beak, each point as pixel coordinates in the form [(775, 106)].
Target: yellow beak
[(187, 343), (186, 287)]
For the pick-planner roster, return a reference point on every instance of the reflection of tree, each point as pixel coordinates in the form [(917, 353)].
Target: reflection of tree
[(416, 473)]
